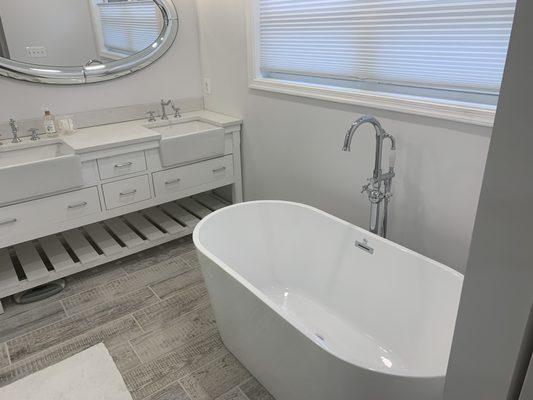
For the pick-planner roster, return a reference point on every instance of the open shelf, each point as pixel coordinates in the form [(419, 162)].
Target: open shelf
[(31, 264)]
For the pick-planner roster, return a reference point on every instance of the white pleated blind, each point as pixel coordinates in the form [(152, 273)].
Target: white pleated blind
[(129, 26), (440, 44)]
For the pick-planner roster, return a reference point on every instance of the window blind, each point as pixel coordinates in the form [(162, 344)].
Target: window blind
[(458, 45), (129, 26)]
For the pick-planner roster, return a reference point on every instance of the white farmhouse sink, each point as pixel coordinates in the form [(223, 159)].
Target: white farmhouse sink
[(36, 169), (189, 141)]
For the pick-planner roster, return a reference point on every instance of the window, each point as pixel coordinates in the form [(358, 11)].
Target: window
[(125, 27), (448, 54)]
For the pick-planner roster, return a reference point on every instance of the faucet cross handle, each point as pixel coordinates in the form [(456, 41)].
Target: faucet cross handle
[(151, 116), (34, 133), (177, 110)]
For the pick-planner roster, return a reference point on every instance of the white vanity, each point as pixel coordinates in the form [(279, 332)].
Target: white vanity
[(77, 201)]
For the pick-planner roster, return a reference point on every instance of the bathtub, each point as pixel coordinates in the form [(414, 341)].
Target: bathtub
[(319, 309)]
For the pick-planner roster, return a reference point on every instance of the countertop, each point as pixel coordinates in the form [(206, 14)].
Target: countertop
[(133, 132), (108, 136)]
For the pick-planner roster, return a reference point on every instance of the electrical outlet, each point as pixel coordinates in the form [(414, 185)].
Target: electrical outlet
[(36, 51), (207, 85)]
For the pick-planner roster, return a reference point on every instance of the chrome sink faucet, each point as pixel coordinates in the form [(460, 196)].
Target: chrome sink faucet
[(14, 131), (164, 104), (379, 186)]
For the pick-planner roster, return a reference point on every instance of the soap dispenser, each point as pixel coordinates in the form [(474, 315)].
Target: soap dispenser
[(49, 123)]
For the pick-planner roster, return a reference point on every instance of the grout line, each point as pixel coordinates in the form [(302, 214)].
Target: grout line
[(241, 391), (136, 355), (64, 309), (204, 365), (183, 388), (155, 294), (8, 355), (138, 324)]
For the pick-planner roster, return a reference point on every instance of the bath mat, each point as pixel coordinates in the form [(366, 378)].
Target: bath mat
[(89, 375)]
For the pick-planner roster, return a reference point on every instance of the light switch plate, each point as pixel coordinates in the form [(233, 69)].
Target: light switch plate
[(36, 51)]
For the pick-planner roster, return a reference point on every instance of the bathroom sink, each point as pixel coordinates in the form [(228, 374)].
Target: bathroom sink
[(36, 169), (184, 142)]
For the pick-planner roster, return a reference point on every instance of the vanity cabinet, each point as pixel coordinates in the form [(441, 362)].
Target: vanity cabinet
[(129, 202)]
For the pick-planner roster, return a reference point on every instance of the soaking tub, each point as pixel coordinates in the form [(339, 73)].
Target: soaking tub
[(319, 309)]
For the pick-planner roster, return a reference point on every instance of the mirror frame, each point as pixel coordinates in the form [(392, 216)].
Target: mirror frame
[(99, 72)]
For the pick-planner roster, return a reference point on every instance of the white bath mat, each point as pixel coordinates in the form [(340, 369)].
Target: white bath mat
[(89, 375)]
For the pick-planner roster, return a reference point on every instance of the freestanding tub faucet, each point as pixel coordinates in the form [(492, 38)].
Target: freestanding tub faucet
[(380, 185)]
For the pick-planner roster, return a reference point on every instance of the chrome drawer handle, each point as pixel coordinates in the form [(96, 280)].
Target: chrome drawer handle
[(129, 192), (219, 170), (77, 205), (8, 221), (127, 164), (172, 182)]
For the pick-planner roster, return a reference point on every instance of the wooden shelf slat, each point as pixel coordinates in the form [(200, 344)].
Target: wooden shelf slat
[(124, 232), (144, 226), (80, 246), (103, 239), (31, 261), (183, 216), (163, 220), (210, 201), (56, 253), (8, 275), (194, 207)]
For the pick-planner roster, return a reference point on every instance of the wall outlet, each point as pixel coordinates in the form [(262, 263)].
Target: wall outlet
[(36, 51), (207, 85)]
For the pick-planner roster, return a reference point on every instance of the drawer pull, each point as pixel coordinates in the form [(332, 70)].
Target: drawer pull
[(8, 221), (130, 192), (77, 205), (219, 170), (123, 165), (172, 182)]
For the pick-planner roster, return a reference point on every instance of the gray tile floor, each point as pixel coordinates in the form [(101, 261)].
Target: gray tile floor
[(152, 312)]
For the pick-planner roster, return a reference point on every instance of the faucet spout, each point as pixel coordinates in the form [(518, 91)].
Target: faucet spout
[(367, 119)]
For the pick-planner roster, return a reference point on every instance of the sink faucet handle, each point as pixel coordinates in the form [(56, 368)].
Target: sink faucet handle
[(177, 110), (34, 133), (151, 116)]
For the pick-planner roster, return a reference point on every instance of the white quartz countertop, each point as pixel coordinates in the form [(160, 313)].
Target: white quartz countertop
[(132, 132)]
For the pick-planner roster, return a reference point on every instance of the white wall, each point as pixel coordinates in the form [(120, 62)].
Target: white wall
[(291, 149), (176, 75), (63, 27)]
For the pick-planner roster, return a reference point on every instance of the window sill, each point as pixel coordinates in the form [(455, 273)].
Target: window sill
[(448, 110)]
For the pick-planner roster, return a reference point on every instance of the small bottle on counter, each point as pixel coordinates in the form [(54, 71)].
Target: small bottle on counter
[(49, 123)]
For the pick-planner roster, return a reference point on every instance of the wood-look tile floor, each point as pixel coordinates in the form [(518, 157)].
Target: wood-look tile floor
[(152, 312)]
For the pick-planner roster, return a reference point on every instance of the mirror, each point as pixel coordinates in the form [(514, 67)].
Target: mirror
[(82, 41)]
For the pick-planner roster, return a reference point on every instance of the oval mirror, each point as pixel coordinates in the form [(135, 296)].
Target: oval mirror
[(82, 41)]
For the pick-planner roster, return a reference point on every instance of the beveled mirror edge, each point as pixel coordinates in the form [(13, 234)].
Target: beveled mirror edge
[(101, 72)]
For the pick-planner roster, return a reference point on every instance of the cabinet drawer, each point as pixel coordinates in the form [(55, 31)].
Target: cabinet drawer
[(127, 191), (172, 181), (29, 216), (123, 164)]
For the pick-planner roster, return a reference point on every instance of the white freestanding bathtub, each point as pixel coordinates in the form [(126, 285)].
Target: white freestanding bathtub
[(314, 316)]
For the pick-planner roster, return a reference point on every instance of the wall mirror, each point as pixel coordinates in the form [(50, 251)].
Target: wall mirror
[(82, 41)]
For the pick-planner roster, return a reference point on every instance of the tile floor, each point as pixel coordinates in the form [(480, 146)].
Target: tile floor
[(152, 312)]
